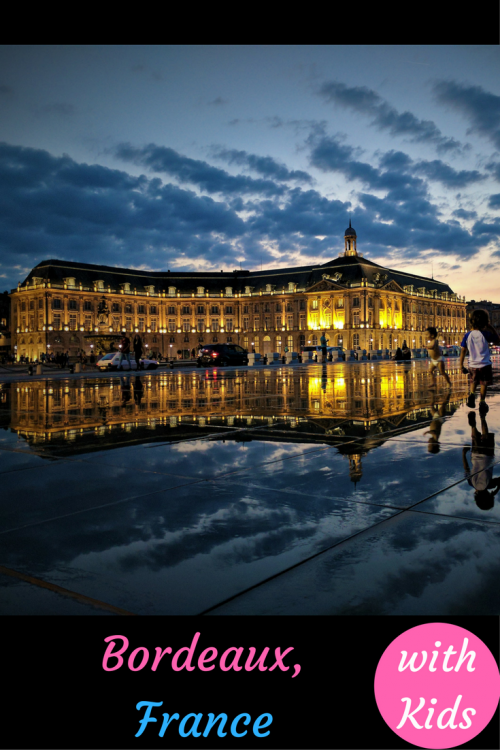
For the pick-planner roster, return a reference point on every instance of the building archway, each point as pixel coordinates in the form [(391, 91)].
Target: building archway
[(266, 345)]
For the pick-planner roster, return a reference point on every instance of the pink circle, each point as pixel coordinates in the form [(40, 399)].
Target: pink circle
[(402, 676)]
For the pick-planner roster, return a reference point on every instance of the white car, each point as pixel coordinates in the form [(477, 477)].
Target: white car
[(111, 362)]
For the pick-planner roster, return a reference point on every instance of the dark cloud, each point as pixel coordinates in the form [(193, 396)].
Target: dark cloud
[(264, 165), (330, 154), (165, 160), (461, 213), (395, 160), (54, 207), (219, 101), (386, 117), (494, 168), (438, 171), (494, 201), (480, 107)]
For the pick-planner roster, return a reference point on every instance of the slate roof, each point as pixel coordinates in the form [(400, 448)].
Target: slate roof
[(352, 268)]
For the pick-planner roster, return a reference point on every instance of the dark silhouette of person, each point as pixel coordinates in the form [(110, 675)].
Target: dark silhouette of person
[(126, 389), (137, 347), (138, 390)]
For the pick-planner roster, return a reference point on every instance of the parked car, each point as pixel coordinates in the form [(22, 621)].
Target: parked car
[(110, 362), (221, 355), (304, 350)]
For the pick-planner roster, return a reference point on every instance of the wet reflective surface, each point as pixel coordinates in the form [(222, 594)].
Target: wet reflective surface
[(339, 489)]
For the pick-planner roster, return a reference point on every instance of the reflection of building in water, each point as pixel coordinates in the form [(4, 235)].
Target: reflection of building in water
[(73, 306), (355, 469), (359, 406)]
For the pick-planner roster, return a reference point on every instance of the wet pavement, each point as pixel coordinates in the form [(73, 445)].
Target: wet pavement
[(304, 489)]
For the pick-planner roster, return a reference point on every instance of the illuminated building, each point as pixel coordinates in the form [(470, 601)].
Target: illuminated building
[(66, 306)]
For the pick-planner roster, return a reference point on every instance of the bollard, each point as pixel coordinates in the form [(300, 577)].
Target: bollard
[(77, 367), (253, 359), (30, 369), (39, 369)]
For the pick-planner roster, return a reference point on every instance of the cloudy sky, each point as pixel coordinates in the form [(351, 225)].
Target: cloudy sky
[(194, 158)]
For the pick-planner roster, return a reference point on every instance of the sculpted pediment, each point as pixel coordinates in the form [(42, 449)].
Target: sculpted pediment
[(392, 286), (326, 285)]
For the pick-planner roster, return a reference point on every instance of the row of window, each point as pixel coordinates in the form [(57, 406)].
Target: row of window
[(88, 306)]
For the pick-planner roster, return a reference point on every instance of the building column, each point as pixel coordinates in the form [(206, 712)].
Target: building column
[(347, 322)]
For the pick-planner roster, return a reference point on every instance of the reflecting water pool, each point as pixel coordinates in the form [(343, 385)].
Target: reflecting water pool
[(183, 492)]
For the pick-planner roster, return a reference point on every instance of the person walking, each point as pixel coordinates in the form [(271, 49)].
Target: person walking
[(124, 352), (137, 347), (323, 341)]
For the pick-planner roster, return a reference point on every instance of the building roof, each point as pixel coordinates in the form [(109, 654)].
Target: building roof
[(345, 271)]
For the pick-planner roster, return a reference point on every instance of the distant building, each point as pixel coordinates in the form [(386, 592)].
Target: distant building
[(491, 308), (69, 306), (5, 340)]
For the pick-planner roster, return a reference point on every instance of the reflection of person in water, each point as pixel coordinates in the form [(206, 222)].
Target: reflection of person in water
[(138, 390), (324, 379), (126, 390), (480, 474), (437, 414)]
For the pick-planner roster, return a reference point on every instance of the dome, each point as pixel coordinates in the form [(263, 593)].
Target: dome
[(350, 232)]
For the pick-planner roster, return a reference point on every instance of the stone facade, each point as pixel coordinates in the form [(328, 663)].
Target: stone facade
[(65, 306)]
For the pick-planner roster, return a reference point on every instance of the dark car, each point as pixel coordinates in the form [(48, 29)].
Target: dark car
[(221, 355)]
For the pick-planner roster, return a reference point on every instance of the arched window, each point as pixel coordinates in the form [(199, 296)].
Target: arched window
[(302, 339), (278, 344), (289, 343), (355, 340), (314, 340)]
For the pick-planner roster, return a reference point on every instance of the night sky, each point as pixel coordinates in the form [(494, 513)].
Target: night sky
[(193, 158)]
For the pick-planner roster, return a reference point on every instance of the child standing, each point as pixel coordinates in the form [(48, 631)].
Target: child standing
[(436, 357), (476, 342)]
